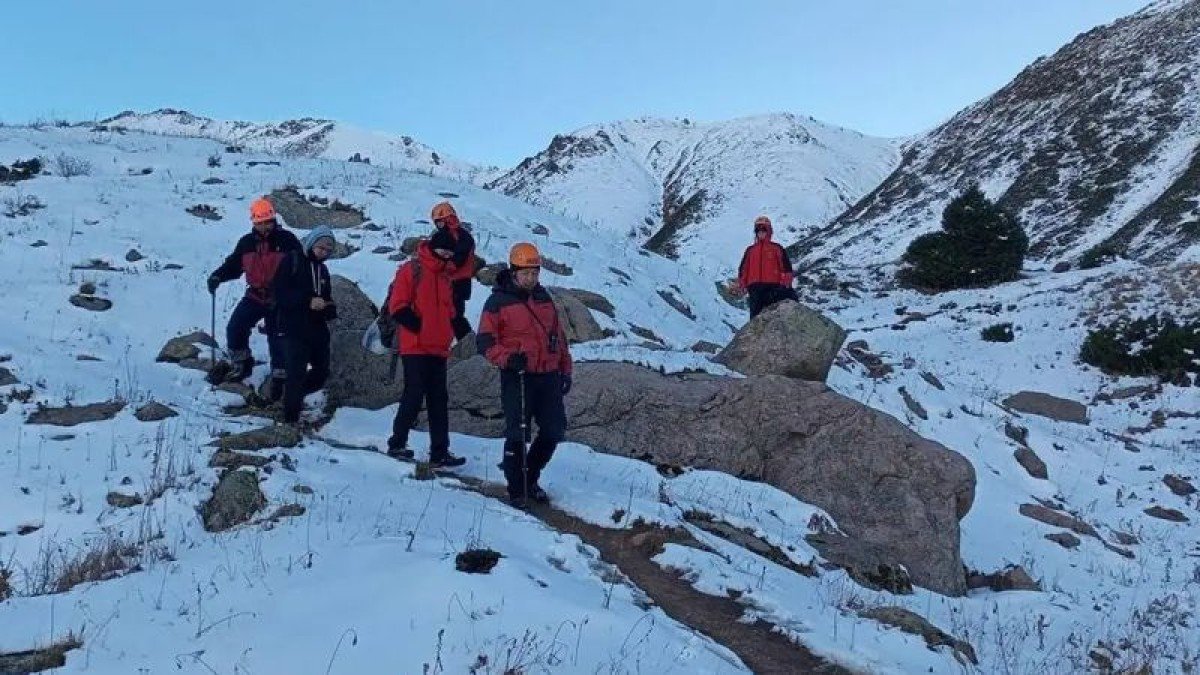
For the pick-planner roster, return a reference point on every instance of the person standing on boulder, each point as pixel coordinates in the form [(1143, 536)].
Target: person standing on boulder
[(258, 255), (765, 273), (421, 302), (520, 333), (304, 306), (445, 219)]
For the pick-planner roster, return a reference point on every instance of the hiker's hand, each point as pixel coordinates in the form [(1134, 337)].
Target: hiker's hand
[(566, 384), (317, 304), (213, 282), (517, 362)]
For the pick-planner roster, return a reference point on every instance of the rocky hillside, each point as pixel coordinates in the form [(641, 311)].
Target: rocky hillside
[(690, 190), (1096, 145), (306, 137)]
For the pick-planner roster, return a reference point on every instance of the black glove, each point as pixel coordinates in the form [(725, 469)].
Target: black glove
[(408, 318), (566, 384), (517, 362), (462, 327), (213, 282)]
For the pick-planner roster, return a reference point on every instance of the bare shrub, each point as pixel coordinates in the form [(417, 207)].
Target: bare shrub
[(58, 570), (69, 166), (20, 205)]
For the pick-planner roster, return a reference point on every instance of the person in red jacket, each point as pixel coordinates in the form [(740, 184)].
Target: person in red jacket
[(421, 302), (445, 218), (765, 272), (520, 333), (257, 255)]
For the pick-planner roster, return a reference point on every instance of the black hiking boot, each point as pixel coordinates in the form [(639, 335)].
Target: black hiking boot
[(399, 452), (537, 494), (446, 461), (518, 502), (240, 370), (274, 389)]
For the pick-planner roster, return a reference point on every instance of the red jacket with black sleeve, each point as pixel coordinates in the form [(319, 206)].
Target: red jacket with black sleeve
[(425, 296), (518, 321), (765, 262), (258, 256)]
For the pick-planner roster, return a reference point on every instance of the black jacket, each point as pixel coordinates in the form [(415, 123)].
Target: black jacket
[(301, 278)]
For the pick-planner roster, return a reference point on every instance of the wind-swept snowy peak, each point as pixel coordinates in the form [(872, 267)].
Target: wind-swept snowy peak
[(1094, 145), (307, 137), (691, 189)]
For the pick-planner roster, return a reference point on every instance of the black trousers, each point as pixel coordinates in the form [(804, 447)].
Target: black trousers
[(424, 382), (536, 396), (237, 333), (461, 289), (307, 368), (762, 296)]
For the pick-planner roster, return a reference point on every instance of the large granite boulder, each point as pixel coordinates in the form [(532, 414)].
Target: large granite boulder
[(577, 320), (786, 339), (357, 377), (897, 492)]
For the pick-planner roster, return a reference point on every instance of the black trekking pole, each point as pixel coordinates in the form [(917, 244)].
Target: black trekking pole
[(524, 440), (212, 345)]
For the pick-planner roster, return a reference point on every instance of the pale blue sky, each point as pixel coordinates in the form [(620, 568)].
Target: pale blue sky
[(491, 82)]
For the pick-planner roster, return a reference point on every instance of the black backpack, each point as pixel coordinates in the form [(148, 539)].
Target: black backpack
[(384, 321)]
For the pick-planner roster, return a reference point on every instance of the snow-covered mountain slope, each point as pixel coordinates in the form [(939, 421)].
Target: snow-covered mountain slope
[(691, 190), (1096, 144), (307, 137), (364, 580)]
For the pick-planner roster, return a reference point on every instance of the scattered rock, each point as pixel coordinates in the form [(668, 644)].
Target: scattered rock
[(913, 405), (912, 623), (212, 181), (383, 249), (274, 436), (1064, 539), (645, 333), (786, 339), (1173, 515), (876, 367), (38, 660), (239, 388), (620, 273), (95, 265), (476, 561), (1050, 516), (69, 416), (26, 529), (1061, 267), (1177, 484), (134, 255), (1125, 539), (706, 347), (540, 230), (423, 471), (154, 412), (1016, 432), (1032, 464), (1011, 578), (1126, 392), (932, 380), (302, 489), (1045, 405), (172, 266), (7, 378), (487, 274), (39, 243), (729, 293), (228, 459), (590, 299), (235, 500), (204, 212), (288, 511), (551, 265), (869, 565), (679, 305), (184, 347), (306, 213), (577, 321), (91, 303), (86, 357), (122, 501)]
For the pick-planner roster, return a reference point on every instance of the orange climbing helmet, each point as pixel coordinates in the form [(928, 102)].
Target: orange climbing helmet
[(524, 254), (262, 210), (443, 211)]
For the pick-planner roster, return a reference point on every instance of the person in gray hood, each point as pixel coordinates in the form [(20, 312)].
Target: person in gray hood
[(305, 307)]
